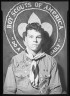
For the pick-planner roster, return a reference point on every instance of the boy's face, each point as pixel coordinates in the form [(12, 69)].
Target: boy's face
[(33, 40)]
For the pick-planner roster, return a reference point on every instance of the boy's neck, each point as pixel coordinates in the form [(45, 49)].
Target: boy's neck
[(32, 52)]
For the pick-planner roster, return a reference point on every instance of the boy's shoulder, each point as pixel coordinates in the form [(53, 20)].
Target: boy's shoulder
[(49, 57), (50, 60), (19, 56)]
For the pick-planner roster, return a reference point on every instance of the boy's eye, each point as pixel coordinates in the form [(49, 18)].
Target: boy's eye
[(39, 37), (31, 36)]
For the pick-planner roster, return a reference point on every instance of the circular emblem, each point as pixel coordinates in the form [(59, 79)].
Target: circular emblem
[(43, 13)]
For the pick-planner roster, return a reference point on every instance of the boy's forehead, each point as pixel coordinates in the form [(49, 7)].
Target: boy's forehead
[(33, 32)]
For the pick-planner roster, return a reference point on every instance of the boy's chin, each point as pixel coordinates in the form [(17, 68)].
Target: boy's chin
[(35, 50)]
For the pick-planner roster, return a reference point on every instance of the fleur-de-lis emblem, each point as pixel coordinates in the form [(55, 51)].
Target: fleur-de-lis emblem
[(35, 19)]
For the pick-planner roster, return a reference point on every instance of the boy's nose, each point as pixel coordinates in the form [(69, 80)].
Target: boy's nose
[(35, 40)]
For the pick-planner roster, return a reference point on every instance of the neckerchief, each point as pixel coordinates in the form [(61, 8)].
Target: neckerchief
[(34, 73)]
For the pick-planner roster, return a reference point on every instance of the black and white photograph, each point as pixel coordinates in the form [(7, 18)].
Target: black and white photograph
[(34, 47)]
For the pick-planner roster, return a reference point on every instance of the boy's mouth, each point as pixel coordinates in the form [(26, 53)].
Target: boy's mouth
[(34, 44)]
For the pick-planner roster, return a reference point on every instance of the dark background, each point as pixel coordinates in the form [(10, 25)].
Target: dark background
[(61, 58)]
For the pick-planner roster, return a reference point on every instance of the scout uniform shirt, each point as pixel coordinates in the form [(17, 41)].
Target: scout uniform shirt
[(18, 78)]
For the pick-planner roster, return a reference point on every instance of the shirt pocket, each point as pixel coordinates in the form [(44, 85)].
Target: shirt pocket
[(22, 71), (45, 72)]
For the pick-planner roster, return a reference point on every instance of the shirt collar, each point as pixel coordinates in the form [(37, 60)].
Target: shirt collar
[(39, 55)]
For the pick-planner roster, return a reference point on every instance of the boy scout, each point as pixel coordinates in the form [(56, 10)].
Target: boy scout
[(33, 71)]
